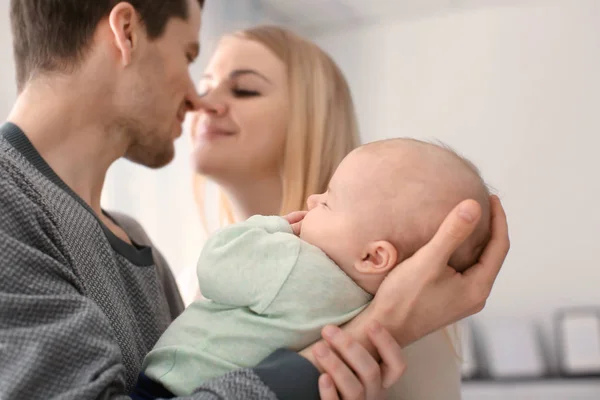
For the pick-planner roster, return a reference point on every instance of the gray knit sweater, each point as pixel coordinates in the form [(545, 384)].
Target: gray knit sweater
[(80, 308)]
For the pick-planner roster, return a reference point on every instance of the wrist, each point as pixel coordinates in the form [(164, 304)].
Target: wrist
[(357, 329), (394, 318), (307, 353)]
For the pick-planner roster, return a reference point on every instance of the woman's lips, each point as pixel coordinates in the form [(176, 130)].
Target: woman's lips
[(211, 131)]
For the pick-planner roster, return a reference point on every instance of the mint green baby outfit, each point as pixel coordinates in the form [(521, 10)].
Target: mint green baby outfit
[(264, 289)]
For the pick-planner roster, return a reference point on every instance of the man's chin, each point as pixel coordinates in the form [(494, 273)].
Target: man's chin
[(152, 159)]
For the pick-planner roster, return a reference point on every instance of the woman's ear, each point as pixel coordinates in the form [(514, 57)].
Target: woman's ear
[(378, 257)]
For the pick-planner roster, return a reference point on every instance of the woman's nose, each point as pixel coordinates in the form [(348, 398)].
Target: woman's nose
[(209, 103), (217, 108)]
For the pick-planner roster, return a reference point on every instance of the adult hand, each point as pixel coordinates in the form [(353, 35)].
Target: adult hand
[(424, 294), (349, 371), (295, 220)]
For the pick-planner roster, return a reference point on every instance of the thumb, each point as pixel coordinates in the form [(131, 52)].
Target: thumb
[(453, 231), (295, 216)]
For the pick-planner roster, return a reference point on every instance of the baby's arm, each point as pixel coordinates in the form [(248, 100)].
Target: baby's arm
[(245, 264)]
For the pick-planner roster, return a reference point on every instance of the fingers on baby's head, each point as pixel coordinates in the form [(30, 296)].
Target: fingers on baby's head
[(469, 252)]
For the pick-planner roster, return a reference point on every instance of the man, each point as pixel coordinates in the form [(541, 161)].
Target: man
[(83, 295)]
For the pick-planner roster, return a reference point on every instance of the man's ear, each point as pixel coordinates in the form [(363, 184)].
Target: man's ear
[(124, 24), (378, 257)]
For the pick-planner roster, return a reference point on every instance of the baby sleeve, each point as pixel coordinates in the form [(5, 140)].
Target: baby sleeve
[(245, 264)]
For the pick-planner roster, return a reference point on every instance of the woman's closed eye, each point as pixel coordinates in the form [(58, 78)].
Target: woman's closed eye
[(237, 92)]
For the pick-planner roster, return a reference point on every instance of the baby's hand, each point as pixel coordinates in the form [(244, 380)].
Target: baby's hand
[(295, 220)]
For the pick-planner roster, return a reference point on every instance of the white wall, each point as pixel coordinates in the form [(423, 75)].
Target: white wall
[(517, 90)]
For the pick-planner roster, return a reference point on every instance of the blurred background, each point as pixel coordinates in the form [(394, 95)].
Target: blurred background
[(513, 85)]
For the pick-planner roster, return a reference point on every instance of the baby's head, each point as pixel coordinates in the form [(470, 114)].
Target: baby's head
[(386, 200)]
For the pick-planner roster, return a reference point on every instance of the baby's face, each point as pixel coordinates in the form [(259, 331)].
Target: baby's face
[(335, 221)]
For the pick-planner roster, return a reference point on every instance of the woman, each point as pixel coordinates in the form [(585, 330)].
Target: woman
[(277, 120)]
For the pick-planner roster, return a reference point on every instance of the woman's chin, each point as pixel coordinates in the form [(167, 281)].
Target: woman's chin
[(202, 166), (210, 166)]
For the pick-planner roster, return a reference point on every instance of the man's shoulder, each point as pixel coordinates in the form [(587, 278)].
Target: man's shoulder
[(14, 170), (26, 225), (16, 187)]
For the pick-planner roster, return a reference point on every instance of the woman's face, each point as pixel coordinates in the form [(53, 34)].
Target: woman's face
[(240, 131)]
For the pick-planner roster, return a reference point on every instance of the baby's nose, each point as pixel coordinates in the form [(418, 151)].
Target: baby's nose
[(312, 201)]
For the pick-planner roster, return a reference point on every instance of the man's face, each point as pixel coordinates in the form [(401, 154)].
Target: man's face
[(160, 90)]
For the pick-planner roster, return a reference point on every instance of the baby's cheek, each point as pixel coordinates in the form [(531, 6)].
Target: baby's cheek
[(311, 231), (306, 228)]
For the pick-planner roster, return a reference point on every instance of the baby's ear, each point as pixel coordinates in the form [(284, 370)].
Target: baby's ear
[(378, 258)]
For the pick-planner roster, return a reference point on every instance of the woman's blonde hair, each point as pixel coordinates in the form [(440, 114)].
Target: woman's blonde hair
[(322, 128)]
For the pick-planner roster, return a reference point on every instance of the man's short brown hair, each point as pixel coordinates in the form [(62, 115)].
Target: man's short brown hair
[(54, 35)]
